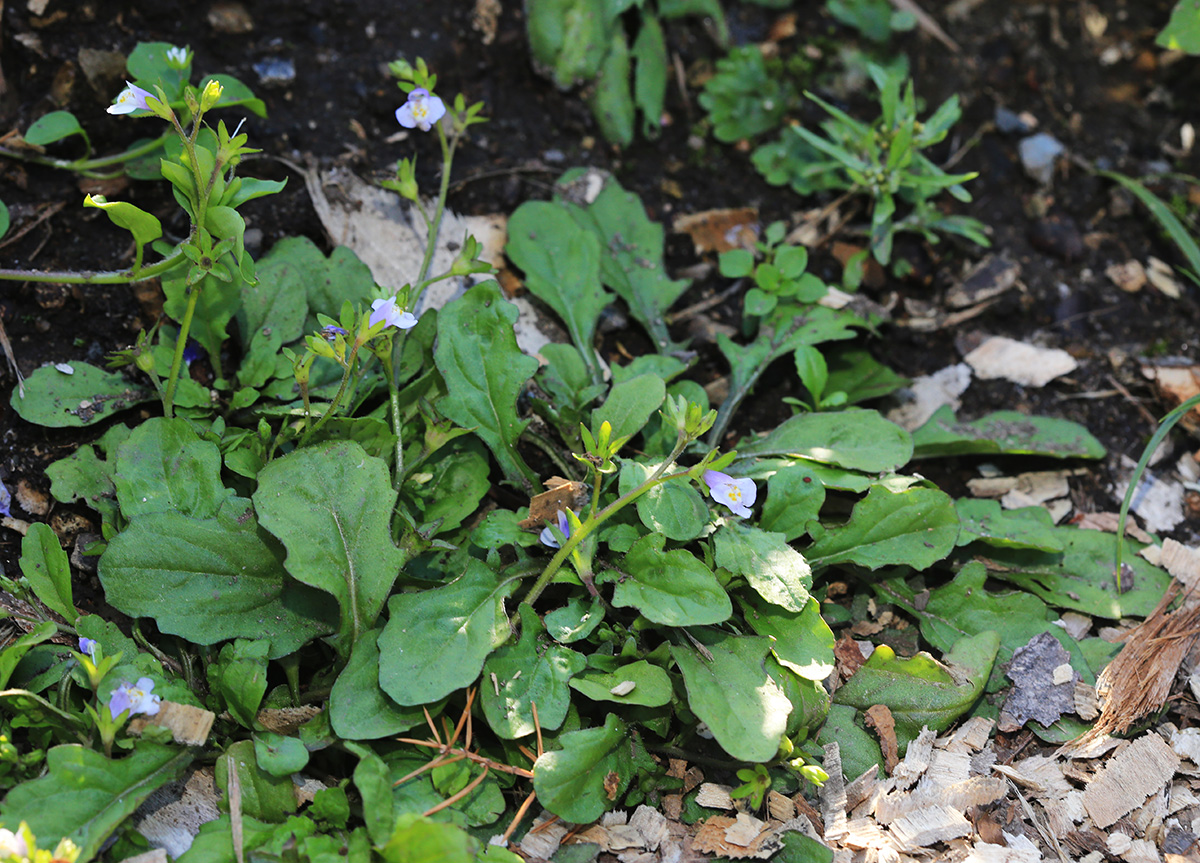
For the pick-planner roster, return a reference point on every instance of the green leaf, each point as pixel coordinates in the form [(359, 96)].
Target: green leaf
[(675, 509), (915, 527), (419, 840), (214, 842), (859, 375), (85, 796), (859, 748), (279, 755), (650, 74), (358, 708), (672, 587), (235, 93), (652, 685), (630, 405), (571, 782), (920, 691), (568, 38), (778, 572), (458, 481), (631, 260), (239, 677), (170, 566), (5, 219), (855, 439), (484, 370), (526, 673), (1081, 577), (375, 787), (436, 641), (331, 507), (795, 496), (164, 466), (801, 641), (1004, 432), (1170, 223), (15, 651), (85, 397), (267, 797), (219, 301), (611, 100), (145, 227), (732, 693), (53, 127), (48, 571), (561, 261), (1182, 32), (285, 275), (984, 521), (575, 621), (966, 607)]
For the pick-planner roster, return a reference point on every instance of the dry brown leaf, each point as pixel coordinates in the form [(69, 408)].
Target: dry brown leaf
[(720, 230), (561, 494), (1107, 522), (880, 719)]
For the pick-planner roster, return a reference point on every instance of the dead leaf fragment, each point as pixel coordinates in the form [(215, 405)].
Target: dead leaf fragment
[(879, 718), (1019, 362), (719, 230), (561, 494), (1036, 694), (1162, 277), (990, 278), (1129, 276)]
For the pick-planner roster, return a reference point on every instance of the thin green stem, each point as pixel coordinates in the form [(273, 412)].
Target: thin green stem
[(385, 357), (587, 527), (448, 148), (337, 398), (88, 277), (180, 344)]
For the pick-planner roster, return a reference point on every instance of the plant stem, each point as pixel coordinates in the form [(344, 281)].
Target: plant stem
[(180, 345), (587, 527), (337, 398), (448, 148), (87, 167), (87, 277)]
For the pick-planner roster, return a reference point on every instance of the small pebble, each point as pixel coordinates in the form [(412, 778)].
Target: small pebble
[(275, 71), (1038, 153), (64, 368)]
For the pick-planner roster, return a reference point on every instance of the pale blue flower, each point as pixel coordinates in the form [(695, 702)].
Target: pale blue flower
[(88, 646), (391, 314), (547, 536), (330, 332), (134, 697), (737, 494), (132, 98), (421, 110)]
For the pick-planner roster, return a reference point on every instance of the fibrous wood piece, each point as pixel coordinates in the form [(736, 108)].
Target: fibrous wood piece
[(714, 796), (861, 787), (651, 824), (945, 768), (710, 838), (1142, 768), (541, 842), (833, 794), (780, 807), (916, 759), (189, 725), (920, 829), (971, 736), (863, 833)]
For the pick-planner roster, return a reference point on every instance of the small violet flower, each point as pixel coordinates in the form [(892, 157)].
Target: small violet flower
[(391, 314), (547, 536), (737, 494), (132, 98), (421, 110), (330, 332), (134, 697), (88, 646), (12, 845)]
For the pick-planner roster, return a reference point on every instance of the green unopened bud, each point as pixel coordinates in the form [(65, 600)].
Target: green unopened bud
[(144, 360)]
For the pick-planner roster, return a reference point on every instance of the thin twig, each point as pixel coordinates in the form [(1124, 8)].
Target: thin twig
[(1141, 408), (705, 305), (521, 813), (454, 798)]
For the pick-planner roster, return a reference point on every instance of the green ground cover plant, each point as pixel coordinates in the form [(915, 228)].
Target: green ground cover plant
[(312, 528)]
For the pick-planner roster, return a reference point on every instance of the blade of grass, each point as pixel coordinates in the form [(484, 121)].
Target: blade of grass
[(1163, 214)]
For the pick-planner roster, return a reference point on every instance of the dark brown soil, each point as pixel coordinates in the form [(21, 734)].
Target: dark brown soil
[(1030, 57)]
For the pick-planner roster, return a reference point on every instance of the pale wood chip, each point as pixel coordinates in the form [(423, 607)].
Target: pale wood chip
[(971, 736), (651, 824), (1077, 625), (916, 759), (863, 833), (544, 843), (154, 855), (286, 720), (744, 830), (614, 818), (1087, 704), (672, 806), (710, 838), (984, 852), (924, 827), (992, 488), (833, 793), (1142, 768), (714, 796), (1182, 797), (189, 725), (1183, 562), (861, 787), (624, 836), (594, 835), (802, 824), (1107, 522), (780, 807), (946, 767)]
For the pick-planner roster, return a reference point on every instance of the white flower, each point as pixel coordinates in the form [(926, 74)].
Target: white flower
[(178, 58), (12, 845), (132, 98), (421, 110), (391, 314), (737, 494)]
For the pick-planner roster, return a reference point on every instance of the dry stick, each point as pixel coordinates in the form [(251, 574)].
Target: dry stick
[(705, 305), (44, 213), (521, 813), (1141, 408), (12, 360)]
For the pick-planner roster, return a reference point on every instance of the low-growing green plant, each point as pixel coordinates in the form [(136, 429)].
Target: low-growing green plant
[(748, 95), (584, 43), (1182, 32), (882, 161), (333, 523), (877, 20)]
